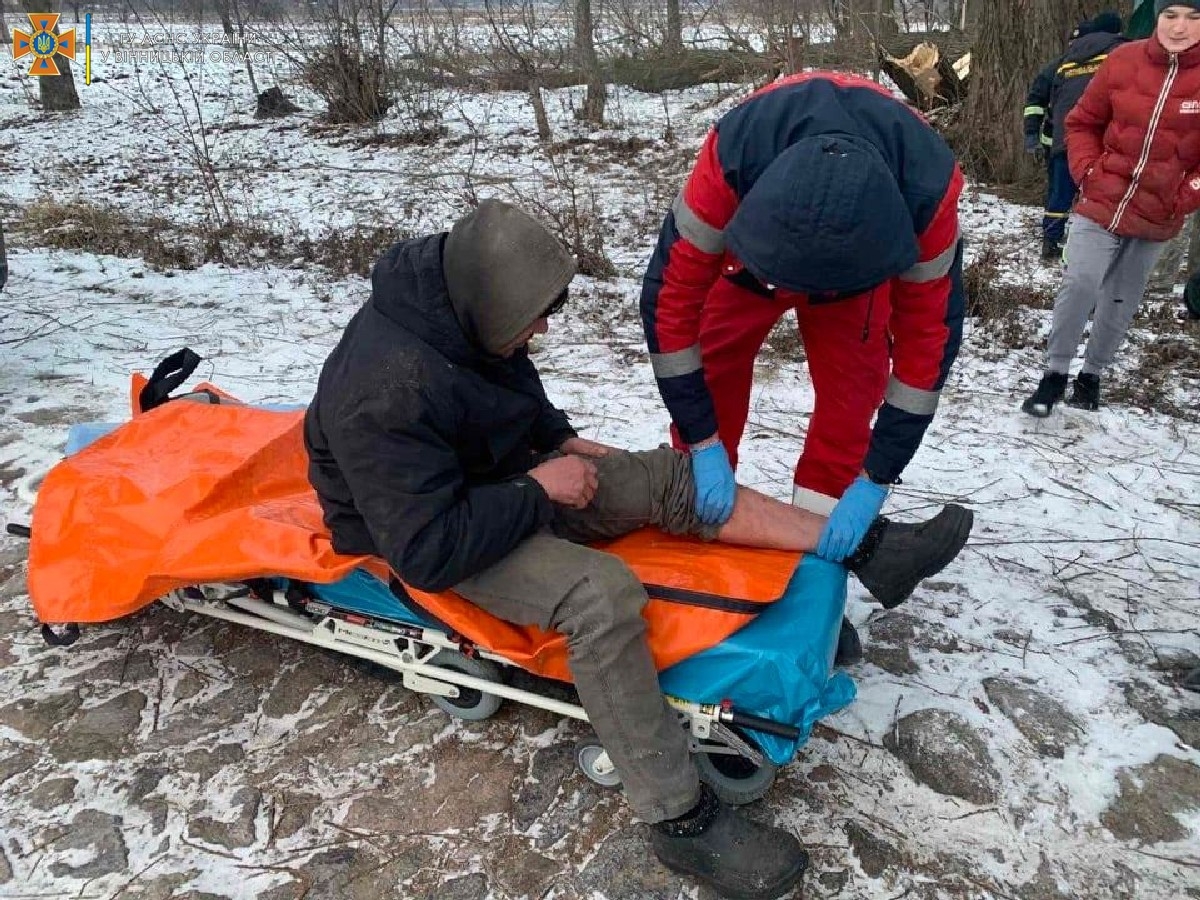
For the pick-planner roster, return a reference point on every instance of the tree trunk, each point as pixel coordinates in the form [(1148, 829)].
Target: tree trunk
[(539, 109), (1180, 260), (228, 10), (585, 48), (244, 47), (1194, 246), (674, 38), (1016, 38), (5, 37), (57, 92)]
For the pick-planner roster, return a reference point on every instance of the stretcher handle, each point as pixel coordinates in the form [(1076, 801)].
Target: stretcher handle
[(758, 723), (18, 530)]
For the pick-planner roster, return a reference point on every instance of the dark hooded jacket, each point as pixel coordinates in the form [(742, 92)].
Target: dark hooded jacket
[(1082, 60), (418, 440), (1060, 84)]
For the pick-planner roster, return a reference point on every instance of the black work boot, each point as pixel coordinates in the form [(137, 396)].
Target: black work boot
[(1085, 392), (1052, 250), (1049, 391), (733, 855), (849, 646), (895, 557)]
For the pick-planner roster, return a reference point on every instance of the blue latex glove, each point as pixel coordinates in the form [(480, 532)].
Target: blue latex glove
[(715, 484), (850, 519)]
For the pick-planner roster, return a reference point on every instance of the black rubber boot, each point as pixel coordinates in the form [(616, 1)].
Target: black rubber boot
[(1049, 391), (736, 857), (1085, 392), (1052, 250), (895, 557), (849, 646)]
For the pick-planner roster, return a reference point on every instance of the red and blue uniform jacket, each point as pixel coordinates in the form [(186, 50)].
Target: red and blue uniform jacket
[(927, 298)]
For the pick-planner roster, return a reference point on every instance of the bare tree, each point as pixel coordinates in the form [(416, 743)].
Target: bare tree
[(1016, 38), (5, 37), (341, 66), (585, 48), (519, 31), (230, 12), (57, 92)]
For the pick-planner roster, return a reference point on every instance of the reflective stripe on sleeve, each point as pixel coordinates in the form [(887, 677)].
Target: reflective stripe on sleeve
[(932, 269), (694, 229), (910, 399), (681, 362)]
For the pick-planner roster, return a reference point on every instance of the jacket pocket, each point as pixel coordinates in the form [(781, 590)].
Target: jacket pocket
[(742, 277)]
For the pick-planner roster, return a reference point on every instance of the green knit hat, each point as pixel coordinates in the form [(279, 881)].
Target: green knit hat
[(1160, 5)]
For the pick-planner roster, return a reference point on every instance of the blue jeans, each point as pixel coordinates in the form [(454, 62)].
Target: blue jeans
[(1060, 195)]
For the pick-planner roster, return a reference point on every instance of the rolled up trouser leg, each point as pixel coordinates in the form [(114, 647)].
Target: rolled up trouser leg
[(596, 601), (651, 487)]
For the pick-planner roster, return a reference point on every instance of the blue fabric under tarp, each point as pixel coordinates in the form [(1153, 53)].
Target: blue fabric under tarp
[(779, 666)]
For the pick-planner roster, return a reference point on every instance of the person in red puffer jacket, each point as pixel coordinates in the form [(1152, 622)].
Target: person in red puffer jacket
[(1133, 142)]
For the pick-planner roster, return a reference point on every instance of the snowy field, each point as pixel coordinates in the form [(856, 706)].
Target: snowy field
[(1019, 731)]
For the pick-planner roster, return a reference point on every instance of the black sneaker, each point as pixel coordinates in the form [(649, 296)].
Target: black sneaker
[(735, 856), (1052, 250), (849, 645), (1085, 392), (895, 557), (1049, 391)]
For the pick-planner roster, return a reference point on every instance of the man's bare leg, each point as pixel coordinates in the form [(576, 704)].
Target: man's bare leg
[(762, 521)]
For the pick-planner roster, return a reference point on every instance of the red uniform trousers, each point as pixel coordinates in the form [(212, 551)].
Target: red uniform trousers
[(847, 346)]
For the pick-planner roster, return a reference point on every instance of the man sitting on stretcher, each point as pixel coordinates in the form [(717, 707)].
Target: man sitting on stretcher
[(432, 444)]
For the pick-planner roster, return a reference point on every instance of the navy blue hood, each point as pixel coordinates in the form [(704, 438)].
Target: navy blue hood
[(1105, 23), (826, 216)]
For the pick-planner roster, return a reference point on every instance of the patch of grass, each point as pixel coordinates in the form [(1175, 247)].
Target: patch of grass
[(168, 245), (1167, 363), (654, 73), (783, 344), (350, 251), (105, 229), (999, 306)]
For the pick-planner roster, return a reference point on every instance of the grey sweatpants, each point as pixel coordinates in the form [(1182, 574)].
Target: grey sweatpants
[(592, 597), (1107, 274)]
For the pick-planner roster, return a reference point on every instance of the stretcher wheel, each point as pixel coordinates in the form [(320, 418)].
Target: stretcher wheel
[(735, 779), (594, 763), (470, 704)]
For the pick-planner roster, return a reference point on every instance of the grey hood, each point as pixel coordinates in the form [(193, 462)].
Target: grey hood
[(503, 269)]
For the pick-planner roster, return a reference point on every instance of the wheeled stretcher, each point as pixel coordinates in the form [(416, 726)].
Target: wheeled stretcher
[(205, 507)]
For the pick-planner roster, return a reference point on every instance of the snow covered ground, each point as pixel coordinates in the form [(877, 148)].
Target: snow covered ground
[(1019, 732)]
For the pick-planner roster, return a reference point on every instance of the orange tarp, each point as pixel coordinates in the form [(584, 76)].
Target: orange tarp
[(192, 493)]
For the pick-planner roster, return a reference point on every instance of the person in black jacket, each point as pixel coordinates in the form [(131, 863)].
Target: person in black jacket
[(432, 444), (1052, 95)]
